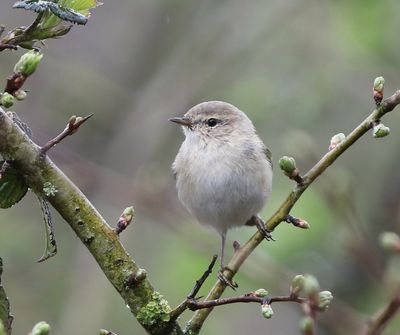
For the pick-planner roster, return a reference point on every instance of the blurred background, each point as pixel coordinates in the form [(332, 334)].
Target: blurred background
[(301, 70)]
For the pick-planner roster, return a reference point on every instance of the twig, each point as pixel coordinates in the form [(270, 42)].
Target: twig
[(249, 297), (378, 324), (71, 128), (196, 322), (199, 283)]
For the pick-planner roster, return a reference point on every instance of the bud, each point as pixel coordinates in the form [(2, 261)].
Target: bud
[(20, 95), (380, 130), (104, 332), (125, 219), (297, 285), (307, 325), (6, 100), (287, 164), (141, 274), (41, 328), (261, 293), (336, 140), (390, 241), (325, 298), (379, 84), (28, 63), (267, 311), (311, 287)]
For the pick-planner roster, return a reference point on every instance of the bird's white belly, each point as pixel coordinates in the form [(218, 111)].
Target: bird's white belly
[(223, 195)]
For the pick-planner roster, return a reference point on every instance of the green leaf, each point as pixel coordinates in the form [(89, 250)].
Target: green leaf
[(12, 186), (5, 316), (83, 7)]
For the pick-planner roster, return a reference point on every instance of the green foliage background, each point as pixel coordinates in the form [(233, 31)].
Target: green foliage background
[(302, 71)]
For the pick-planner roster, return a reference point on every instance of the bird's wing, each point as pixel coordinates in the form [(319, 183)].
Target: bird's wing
[(268, 154)]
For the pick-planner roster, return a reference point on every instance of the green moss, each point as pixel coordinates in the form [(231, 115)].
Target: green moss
[(156, 309)]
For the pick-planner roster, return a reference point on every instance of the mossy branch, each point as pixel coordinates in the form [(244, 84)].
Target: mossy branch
[(241, 254), (88, 224)]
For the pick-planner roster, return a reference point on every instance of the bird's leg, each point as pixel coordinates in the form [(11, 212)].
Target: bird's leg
[(262, 228), (229, 282)]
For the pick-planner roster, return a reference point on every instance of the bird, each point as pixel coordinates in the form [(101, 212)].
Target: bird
[(223, 170)]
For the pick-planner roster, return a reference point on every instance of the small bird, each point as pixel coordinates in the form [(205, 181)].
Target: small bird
[(223, 170)]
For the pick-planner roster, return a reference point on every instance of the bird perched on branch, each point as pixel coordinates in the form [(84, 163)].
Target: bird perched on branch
[(223, 170)]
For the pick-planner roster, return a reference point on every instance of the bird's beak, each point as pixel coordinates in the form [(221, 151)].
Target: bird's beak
[(184, 121)]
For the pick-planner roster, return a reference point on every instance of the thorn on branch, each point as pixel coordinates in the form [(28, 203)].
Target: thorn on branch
[(72, 127), (297, 222), (288, 166), (124, 220)]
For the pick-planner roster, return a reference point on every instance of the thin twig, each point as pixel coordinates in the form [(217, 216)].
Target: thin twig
[(200, 282), (249, 297), (378, 324), (196, 322), (175, 313), (71, 128)]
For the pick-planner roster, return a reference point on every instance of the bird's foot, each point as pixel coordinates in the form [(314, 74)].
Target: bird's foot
[(224, 280), (262, 228)]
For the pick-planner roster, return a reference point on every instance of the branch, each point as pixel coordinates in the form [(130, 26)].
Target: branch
[(72, 127), (88, 224), (249, 297), (378, 324), (195, 323)]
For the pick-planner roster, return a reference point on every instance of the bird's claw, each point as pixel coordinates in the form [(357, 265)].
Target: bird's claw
[(262, 228), (229, 282)]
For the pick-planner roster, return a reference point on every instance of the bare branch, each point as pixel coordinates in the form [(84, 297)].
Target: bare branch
[(378, 324), (71, 128)]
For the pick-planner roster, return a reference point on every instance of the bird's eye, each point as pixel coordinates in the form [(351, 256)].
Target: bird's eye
[(212, 122)]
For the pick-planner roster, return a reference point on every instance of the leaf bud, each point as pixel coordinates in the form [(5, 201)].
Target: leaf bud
[(336, 140), (390, 241), (28, 63), (287, 164), (6, 100), (267, 311), (41, 328), (297, 284), (380, 130), (325, 298)]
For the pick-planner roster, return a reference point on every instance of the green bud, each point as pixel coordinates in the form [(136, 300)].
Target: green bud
[(390, 241), (7, 100), (336, 140), (267, 311), (311, 286), (325, 298), (128, 213), (287, 164), (379, 83), (104, 332), (261, 293), (28, 63), (307, 325), (380, 130), (297, 284), (20, 95), (41, 328)]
